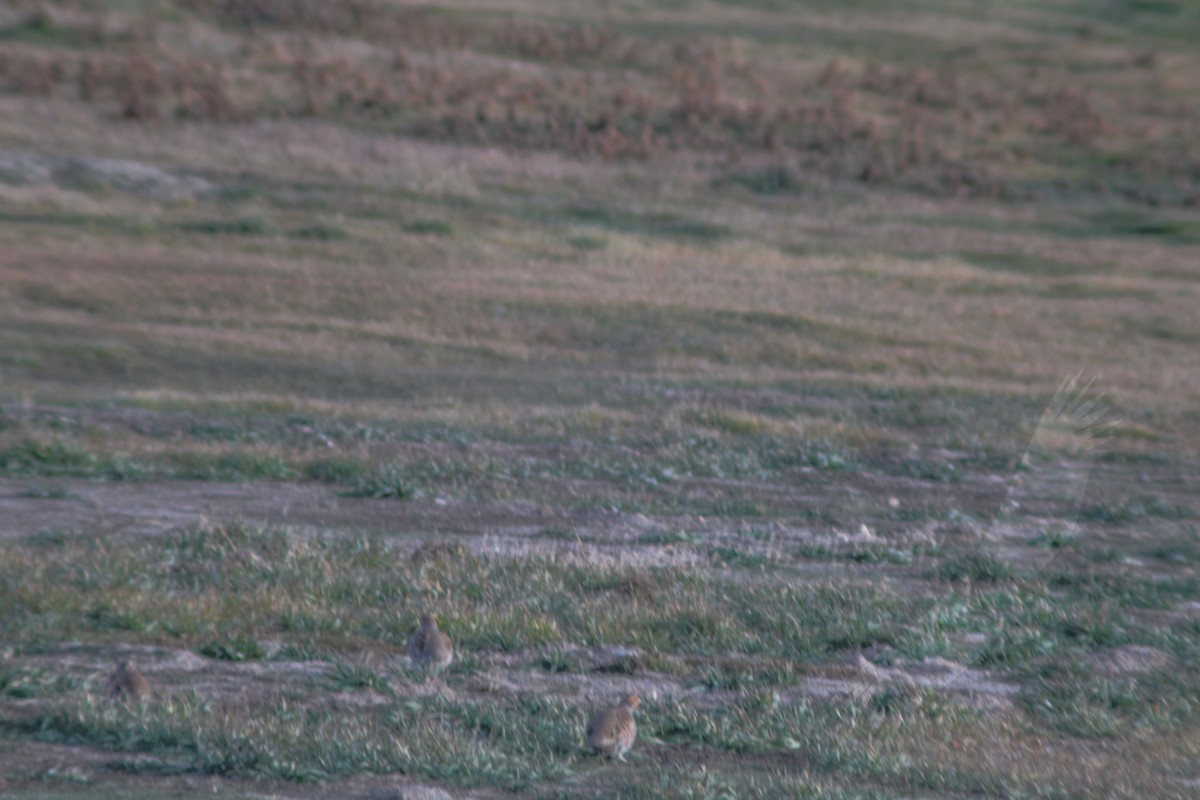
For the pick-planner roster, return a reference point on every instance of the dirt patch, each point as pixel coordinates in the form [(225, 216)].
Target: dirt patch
[(38, 767), (156, 507), (600, 676), (490, 527), (170, 671), (105, 173), (180, 671), (858, 677), (1127, 660)]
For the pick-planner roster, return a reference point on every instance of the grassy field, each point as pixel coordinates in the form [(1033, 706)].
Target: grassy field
[(693, 349)]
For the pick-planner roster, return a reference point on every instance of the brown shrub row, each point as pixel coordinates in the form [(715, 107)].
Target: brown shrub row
[(827, 130), (636, 97)]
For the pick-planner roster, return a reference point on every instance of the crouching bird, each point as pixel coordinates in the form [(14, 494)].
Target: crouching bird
[(127, 684), (611, 732), (430, 648)]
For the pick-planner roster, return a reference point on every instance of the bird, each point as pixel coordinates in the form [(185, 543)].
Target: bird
[(611, 732), (430, 648), (1076, 424), (126, 683)]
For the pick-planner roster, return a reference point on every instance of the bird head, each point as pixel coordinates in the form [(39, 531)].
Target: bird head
[(631, 701)]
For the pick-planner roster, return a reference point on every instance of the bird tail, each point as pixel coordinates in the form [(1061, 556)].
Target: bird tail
[(1075, 425)]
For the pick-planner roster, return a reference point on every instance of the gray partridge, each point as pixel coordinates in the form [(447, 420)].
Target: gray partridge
[(430, 648), (611, 732), (126, 683)]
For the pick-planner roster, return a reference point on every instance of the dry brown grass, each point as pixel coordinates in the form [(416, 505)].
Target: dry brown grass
[(737, 307), (977, 121)]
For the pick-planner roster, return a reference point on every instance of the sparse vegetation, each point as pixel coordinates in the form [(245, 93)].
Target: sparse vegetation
[(349, 596), (685, 349)]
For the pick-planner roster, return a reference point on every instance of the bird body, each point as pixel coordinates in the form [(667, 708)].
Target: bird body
[(611, 732), (126, 683), (430, 648)]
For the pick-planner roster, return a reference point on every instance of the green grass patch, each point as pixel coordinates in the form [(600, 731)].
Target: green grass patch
[(1135, 223), (346, 676), (273, 584), (23, 683), (40, 29), (466, 743), (1069, 698), (238, 649), (321, 232), (1134, 510), (980, 567), (390, 481), (652, 223), (241, 226), (1035, 266), (431, 227), (557, 661), (231, 466), (44, 457), (587, 243)]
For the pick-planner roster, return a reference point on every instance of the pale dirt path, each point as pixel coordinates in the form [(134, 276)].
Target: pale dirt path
[(153, 507), (84, 507)]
